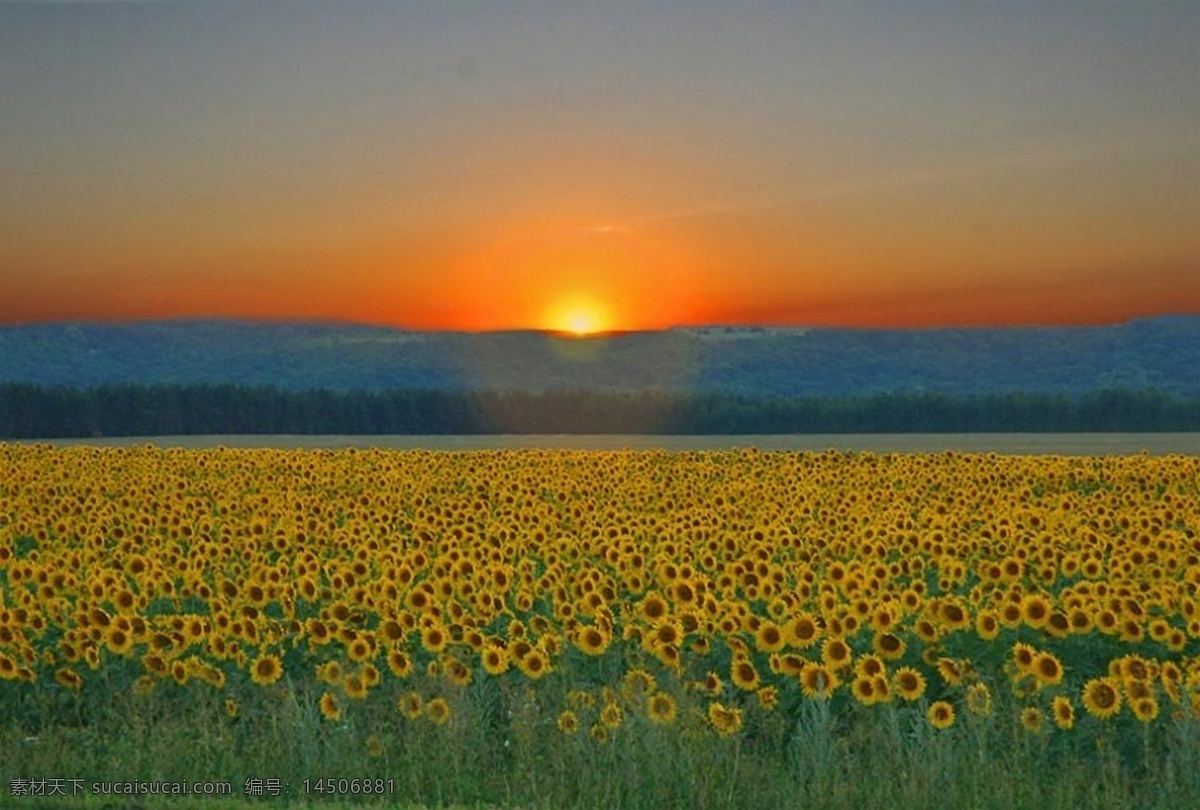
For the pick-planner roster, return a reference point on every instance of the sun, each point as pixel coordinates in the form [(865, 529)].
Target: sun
[(579, 316), (581, 322)]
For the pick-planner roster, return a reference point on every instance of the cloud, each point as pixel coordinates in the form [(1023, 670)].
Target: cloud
[(608, 229), (1068, 150)]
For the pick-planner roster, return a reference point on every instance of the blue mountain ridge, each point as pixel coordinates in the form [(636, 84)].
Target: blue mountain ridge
[(1161, 352)]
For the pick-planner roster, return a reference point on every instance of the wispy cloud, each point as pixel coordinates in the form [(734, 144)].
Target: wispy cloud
[(608, 229), (1067, 151)]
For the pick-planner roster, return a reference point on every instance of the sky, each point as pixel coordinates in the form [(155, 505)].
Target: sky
[(617, 165)]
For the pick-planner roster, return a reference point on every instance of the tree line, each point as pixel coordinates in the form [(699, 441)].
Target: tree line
[(32, 411)]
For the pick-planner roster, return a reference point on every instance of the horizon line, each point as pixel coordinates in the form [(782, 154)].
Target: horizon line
[(567, 334)]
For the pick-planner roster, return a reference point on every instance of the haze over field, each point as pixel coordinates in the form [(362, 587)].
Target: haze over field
[(1159, 353), (1036, 444), (600, 166)]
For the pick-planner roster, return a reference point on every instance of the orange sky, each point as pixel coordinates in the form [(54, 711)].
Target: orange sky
[(549, 164)]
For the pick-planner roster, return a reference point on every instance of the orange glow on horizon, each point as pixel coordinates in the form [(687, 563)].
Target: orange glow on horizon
[(579, 316), (584, 276), (571, 278)]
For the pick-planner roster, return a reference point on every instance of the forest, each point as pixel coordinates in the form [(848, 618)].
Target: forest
[(29, 411)]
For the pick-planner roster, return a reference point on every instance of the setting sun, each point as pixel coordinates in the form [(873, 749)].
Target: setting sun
[(579, 317), (581, 323)]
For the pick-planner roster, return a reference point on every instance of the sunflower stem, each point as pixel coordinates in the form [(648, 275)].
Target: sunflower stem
[(737, 751)]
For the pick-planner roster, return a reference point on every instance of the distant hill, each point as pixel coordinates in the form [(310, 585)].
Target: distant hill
[(1162, 353)]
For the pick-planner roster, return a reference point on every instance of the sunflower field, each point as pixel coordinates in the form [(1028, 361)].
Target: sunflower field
[(584, 628)]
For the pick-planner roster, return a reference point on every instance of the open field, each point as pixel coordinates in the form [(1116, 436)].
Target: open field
[(576, 629), (1070, 444)]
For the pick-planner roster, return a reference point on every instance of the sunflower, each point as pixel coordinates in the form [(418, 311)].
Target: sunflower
[(940, 714), (359, 650), (534, 664), (953, 671), (68, 679), (434, 638), (637, 685), (743, 674), (712, 684), (143, 685), (1108, 621), (1035, 610), (409, 705), (1170, 678), (475, 640), (438, 711), (231, 708), (927, 631), (1144, 708), (1160, 630), (661, 708), (665, 633), (818, 680), (684, 590), (1102, 697), (494, 658), (1080, 620), (1010, 615), (194, 630), (987, 625), (769, 637), (979, 699), (318, 633), (156, 665), (1131, 668), (329, 672), (908, 683), (801, 631), (330, 708), (212, 676), (1130, 630), (579, 699), (836, 653), (882, 619), (600, 733), (789, 664), (1024, 657), (910, 599), (868, 666), (399, 662), (1047, 669), (768, 698), (180, 672), (118, 640), (888, 646), (458, 673), (98, 617), (953, 615), (863, 689), (1058, 624), (883, 688), (1032, 719), (1177, 639), (266, 670), (355, 686), (725, 720), (1063, 711), (567, 722), (611, 715), (652, 607), (592, 640)]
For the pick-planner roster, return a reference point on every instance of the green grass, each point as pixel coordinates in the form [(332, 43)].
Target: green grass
[(501, 749)]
